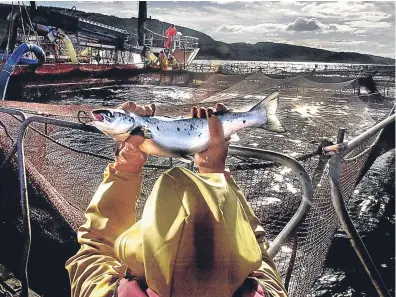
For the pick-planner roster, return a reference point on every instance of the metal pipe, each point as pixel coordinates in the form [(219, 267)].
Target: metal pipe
[(26, 228), (340, 135), (306, 188), (367, 134), (14, 20), (142, 17), (14, 112), (14, 147), (33, 9), (349, 228)]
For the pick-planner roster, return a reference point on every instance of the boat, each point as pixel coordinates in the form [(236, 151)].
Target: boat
[(77, 48)]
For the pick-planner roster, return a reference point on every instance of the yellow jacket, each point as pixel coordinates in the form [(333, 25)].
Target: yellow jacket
[(195, 237)]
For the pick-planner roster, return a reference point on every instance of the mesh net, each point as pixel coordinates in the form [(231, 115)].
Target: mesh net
[(66, 165), (254, 85)]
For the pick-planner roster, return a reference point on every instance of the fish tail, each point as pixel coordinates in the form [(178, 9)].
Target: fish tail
[(268, 106)]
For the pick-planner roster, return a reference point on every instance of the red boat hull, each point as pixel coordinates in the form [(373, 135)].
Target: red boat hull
[(65, 68)]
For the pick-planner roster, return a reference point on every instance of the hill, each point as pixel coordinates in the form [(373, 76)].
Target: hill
[(212, 49)]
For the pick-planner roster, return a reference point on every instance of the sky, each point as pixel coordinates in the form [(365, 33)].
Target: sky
[(357, 26)]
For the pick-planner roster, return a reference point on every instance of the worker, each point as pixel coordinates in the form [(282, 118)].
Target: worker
[(172, 63), (197, 236), (170, 33), (163, 61), (150, 59)]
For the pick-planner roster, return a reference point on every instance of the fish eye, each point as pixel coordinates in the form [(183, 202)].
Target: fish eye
[(104, 112)]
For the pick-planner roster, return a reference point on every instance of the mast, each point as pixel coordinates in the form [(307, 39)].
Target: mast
[(33, 8), (142, 17)]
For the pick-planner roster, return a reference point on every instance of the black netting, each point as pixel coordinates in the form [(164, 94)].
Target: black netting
[(67, 165)]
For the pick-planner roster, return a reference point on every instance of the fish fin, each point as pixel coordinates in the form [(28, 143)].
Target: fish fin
[(117, 147), (142, 131), (273, 124), (234, 138), (269, 105)]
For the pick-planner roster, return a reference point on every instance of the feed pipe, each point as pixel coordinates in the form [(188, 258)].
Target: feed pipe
[(14, 59), (24, 61), (69, 47), (52, 34)]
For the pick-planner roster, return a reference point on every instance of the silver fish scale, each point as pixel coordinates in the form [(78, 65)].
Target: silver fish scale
[(189, 136)]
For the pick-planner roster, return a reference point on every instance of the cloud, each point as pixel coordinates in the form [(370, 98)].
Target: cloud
[(368, 24), (304, 24), (349, 42), (259, 28)]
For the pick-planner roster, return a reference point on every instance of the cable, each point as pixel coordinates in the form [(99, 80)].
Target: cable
[(34, 31), (23, 25)]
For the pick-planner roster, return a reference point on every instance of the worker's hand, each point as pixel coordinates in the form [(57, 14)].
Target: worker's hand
[(213, 159), (132, 288), (130, 158), (250, 288)]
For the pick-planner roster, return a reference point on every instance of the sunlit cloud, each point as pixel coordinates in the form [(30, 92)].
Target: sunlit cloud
[(304, 24)]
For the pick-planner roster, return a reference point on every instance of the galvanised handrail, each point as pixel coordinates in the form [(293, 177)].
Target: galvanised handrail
[(355, 142), (342, 211), (26, 228), (349, 228), (14, 147)]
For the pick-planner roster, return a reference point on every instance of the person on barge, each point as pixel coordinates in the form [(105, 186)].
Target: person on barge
[(170, 34)]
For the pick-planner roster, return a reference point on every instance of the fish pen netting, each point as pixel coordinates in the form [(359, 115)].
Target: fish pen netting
[(257, 83), (67, 167)]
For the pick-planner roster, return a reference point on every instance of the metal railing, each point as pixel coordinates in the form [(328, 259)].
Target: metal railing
[(341, 209), (14, 147), (153, 39)]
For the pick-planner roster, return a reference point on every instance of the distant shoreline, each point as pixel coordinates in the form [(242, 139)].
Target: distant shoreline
[(289, 62)]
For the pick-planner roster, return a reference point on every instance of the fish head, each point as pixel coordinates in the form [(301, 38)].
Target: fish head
[(114, 122)]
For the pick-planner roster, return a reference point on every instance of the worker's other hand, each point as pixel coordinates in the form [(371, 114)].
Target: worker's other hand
[(131, 288), (250, 288), (130, 158), (213, 159)]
